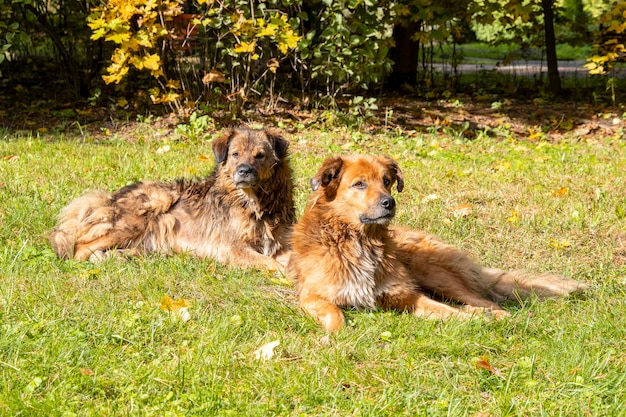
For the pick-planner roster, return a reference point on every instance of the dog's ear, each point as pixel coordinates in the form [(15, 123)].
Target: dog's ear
[(280, 144), (220, 146), (395, 171), (328, 176)]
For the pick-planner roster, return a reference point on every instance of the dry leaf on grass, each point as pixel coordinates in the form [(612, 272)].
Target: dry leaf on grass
[(86, 371), (484, 363), (266, 351), (560, 192), (176, 307), (464, 210)]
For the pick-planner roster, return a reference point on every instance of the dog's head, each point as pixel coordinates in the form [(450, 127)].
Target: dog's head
[(359, 187), (249, 155)]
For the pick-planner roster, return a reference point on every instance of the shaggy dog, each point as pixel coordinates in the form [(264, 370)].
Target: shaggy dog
[(345, 254), (240, 215)]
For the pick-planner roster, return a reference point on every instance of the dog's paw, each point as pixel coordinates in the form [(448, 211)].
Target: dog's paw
[(496, 314), (97, 256)]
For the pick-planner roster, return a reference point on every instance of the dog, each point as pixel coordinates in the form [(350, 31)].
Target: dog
[(241, 214), (345, 254)]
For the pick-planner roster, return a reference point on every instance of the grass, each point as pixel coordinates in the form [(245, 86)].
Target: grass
[(78, 339), (478, 52)]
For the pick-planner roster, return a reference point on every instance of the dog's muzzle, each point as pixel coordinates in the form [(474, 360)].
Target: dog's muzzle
[(245, 176), (383, 213)]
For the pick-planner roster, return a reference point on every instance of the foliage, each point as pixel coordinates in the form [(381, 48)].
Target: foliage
[(612, 40), (149, 35), (51, 30), (224, 54), (511, 21), (345, 44)]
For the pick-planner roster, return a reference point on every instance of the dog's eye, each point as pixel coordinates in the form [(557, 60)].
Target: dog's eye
[(359, 185), (386, 182), (235, 155), (260, 155)]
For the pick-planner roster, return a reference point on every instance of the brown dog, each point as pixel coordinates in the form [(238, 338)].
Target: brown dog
[(344, 254), (241, 214)]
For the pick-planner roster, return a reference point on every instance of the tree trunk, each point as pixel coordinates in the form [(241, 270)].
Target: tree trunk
[(554, 80), (404, 55)]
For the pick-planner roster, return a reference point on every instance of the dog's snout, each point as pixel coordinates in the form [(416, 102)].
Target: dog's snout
[(387, 202), (245, 170)]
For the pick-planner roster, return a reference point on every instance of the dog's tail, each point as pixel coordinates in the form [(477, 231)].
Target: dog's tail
[(516, 284), (84, 219)]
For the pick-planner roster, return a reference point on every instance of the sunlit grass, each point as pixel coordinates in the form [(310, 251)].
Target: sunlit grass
[(84, 339)]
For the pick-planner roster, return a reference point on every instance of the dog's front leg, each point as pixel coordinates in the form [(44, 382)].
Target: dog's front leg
[(402, 297), (326, 313)]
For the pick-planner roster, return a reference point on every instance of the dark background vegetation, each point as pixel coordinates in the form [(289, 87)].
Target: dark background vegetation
[(86, 61)]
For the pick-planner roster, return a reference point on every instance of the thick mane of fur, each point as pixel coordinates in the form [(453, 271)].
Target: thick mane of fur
[(209, 217), (344, 254)]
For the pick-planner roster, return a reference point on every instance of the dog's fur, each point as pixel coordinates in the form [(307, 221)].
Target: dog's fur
[(241, 214), (345, 254)]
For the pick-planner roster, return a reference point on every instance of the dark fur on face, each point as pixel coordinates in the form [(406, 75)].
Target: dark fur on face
[(240, 214), (345, 254)]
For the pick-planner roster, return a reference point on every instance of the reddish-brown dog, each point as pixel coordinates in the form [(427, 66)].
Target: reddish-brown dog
[(345, 254), (241, 214)]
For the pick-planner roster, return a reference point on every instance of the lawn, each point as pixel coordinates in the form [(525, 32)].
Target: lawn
[(80, 339)]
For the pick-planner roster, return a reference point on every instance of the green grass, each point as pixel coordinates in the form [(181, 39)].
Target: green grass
[(478, 52), (83, 339)]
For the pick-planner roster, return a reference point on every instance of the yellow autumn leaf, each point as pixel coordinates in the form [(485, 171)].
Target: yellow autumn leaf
[(269, 30), (152, 62), (288, 40), (514, 217), (164, 98), (560, 243), (245, 47), (173, 84), (118, 37), (502, 166), (177, 307), (560, 192), (114, 78)]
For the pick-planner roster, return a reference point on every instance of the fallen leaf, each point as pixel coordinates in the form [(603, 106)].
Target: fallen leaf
[(213, 76), (464, 210), (514, 217), (560, 244), (502, 166), (86, 371), (266, 351), (163, 149), (484, 363), (177, 307), (9, 157), (204, 157), (560, 192)]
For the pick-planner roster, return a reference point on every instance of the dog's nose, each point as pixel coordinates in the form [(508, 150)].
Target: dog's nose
[(244, 170), (387, 202)]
